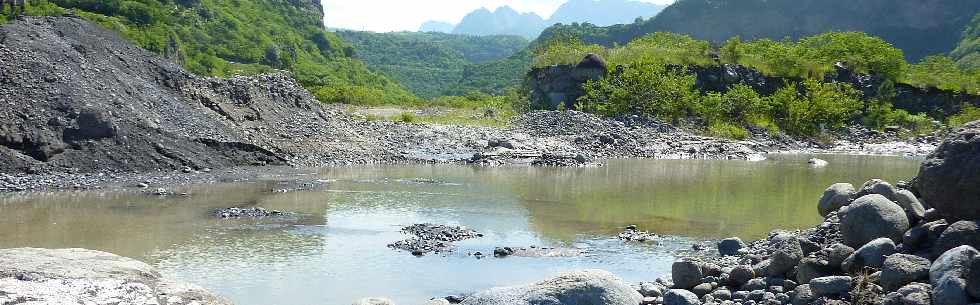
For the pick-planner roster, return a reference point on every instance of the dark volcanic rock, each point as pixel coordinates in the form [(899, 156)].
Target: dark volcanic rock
[(247, 213), (902, 269), (433, 238), (949, 179)]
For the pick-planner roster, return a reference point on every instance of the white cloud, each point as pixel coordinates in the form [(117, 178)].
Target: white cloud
[(408, 15)]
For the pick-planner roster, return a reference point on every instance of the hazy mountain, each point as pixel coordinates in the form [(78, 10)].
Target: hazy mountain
[(503, 21), (436, 26), (604, 12), (918, 27)]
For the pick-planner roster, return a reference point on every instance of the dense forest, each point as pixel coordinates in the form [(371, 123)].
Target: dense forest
[(919, 28), (436, 64), (227, 37)]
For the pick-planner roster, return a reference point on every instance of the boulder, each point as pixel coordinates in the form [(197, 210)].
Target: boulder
[(872, 217), (830, 285), (651, 290), (911, 294), (802, 295), (834, 198), (973, 278), (949, 179), (811, 268), (740, 275), (686, 274), (787, 255), (755, 284), (885, 189), (959, 234), (837, 253), (676, 297), (950, 290), (915, 238), (913, 208), (702, 289), (817, 162), (584, 287), (871, 255), (902, 269), (730, 246), (953, 263), (80, 276)]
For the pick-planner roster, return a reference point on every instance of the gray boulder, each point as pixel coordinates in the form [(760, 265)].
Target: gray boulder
[(811, 268), (871, 255), (959, 234), (953, 263), (80, 276), (901, 269), (949, 179), (802, 295), (788, 254), (872, 217), (585, 287), (677, 297), (973, 278), (911, 294), (913, 208), (950, 290), (837, 253), (686, 274), (730, 246), (830, 285), (740, 275), (834, 198)]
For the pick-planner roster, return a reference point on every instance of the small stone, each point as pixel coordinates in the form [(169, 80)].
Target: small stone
[(722, 294), (730, 246), (755, 284), (835, 197), (830, 285), (681, 297), (701, 289)]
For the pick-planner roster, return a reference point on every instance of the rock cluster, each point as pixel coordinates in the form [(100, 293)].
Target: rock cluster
[(256, 212), (877, 245), (427, 238)]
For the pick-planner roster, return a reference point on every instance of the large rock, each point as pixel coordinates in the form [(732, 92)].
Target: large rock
[(811, 268), (740, 275), (787, 255), (949, 179), (80, 276), (950, 290), (586, 287), (679, 297), (686, 274), (912, 294), (871, 255), (901, 269), (830, 285), (872, 217), (959, 234), (947, 276), (730, 246), (835, 197), (973, 278), (912, 206)]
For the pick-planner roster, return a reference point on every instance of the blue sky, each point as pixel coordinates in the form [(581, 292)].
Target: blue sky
[(408, 15)]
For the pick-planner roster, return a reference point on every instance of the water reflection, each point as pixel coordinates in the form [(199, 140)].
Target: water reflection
[(334, 252)]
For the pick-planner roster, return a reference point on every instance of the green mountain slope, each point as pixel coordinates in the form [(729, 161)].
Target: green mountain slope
[(435, 64), (967, 52), (226, 37), (918, 27)]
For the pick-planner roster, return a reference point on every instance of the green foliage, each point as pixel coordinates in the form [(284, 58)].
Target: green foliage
[(942, 72), (564, 52), (642, 88), (434, 64), (231, 37), (970, 113), (815, 107), (729, 131), (407, 117), (861, 52), (967, 52)]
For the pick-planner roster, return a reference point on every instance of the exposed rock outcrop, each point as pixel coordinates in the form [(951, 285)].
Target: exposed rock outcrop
[(79, 276)]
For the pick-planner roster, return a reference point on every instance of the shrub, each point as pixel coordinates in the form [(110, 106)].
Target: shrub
[(942, 72), (730, 131), (641, 88), (820, 107), (969, 114)]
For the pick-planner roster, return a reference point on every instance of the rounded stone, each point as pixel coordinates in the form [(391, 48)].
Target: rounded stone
[(834, 197), (681, 297), (871, 255), (830, 285), (872, 217), (901, 269), (949, 179), (730, 246), (788, 254), (686, 274), (959, 234), (741, 275)]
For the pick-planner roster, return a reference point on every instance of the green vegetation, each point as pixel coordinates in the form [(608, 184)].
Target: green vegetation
[(229, 37), (969, 114), (436, 64), (651, 79), (967, 52)]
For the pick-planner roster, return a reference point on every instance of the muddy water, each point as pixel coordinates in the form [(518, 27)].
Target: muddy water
[(334, 250)]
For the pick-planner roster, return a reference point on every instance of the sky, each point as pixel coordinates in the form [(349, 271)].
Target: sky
[(408, 15)]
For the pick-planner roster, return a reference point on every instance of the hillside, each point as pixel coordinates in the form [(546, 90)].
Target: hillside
[(502, 21), (967, 52), (919, 28), (604, 12), (434, 64), (229, 37)]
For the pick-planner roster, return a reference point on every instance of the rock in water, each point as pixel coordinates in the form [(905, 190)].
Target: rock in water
[(949, 179), (730, 246), (835, 197), (79, 276), (586, 287), (681, 297), (902, 269), (872, 217), (818, 162)]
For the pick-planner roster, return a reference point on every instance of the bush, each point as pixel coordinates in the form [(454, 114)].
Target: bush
[(407, 117), (641, 88), (729, 131), (820, 106), (942, 72), (969, 114)]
